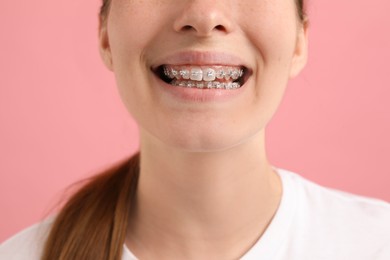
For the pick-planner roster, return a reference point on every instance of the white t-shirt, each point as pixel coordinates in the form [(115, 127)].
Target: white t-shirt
[(312, 222)]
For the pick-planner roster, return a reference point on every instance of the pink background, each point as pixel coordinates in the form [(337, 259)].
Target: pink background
[(62, 120)]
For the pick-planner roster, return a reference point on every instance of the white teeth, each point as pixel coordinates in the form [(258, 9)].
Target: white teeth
[(199, 85), (182, 84), (206, 84), (203, 74), (175, 73), (196, 74), (208, 74), (217, 84), (221, 74), (185, 74), (190, 84), (166, 72), (219, 77), (235, 74)]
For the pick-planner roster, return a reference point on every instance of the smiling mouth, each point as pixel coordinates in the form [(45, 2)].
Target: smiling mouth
[(203, 77)]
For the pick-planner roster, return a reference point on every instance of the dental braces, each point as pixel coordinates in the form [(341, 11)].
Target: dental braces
[(206, 74), (206, 84)]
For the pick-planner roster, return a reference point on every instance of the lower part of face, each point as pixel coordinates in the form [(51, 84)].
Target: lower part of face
[(260, 33)]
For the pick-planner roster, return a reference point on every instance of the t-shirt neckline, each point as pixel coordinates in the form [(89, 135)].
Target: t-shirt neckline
[(276, 233)]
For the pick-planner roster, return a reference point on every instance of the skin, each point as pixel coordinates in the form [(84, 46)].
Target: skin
[(206, 189)]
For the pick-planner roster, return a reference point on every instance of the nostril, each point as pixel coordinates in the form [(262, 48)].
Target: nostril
[(187, 28), (220, 28), (200, 30)]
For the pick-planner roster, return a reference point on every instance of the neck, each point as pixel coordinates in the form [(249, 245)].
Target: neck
[(201, 201)]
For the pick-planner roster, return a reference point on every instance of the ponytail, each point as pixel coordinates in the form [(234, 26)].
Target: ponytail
[(92, 224)]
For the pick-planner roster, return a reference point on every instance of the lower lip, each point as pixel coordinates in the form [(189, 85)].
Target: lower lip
[(199, 95)]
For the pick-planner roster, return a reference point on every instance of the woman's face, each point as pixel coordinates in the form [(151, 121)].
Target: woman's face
[(146, 42)]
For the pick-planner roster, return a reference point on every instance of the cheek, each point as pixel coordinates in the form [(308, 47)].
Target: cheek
[(272, 37), (133, 26), (271, 28), (129, 41)]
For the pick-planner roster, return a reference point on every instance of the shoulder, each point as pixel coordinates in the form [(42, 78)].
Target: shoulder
[(27, 244), (340, 219), (313, 193), (340, 203)]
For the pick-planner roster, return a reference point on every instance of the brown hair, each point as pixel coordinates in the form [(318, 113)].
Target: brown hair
[(92, 224)]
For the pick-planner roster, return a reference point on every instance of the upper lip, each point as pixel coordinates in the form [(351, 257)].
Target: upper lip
[(200, 58)]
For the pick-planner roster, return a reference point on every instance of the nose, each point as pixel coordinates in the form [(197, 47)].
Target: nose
[(204, 18)]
